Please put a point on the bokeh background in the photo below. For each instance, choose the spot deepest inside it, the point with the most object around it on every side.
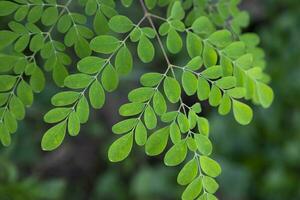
(260, 161)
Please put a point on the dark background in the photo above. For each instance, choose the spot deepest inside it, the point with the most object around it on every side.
(260, 161)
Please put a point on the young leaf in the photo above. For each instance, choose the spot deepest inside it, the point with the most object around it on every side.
(193, 189)
(176, 154)
(209, 166)
(189, 83)
(193, 44)
(54, 137)
(203, 89)
(140, 134)
(157, 142)
(172, 89)
(188, 173)
(124, 126)
(120, 149)
(174, 41)
(150, 118)
(242, 112)
(220, 38)
(73, 124)
(265, 94)
(203, 144)
(159, 103)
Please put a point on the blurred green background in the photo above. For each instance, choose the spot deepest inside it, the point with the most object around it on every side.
(260, 161)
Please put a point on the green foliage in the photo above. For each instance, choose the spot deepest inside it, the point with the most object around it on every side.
(225, 68)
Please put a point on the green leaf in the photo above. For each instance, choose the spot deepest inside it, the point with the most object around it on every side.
(151, 79)
(7, 7)
(10, 122)
(22, 43)
(131, 109)
(176, 154)
(16, 106)
(56, 115)
(64, 23)
(7, 82)
(123, 61)
(209, 166)
(96, 95)
(64, 98)
(150, 118)
(104, 44)
(127, 3)
(203, 26)
(203, 144)
(159, 103)
(189, 83)
(83, 110)
(90, 65)
(124, 126)
(150, 4)
(265, 94)
(193, 44)
(157, 142)
(50, 16)
(6, 38)
(242, 112)
(188, 173)
(54, 137)
(145, 50)
(109, 79)
(174, 41)
(21, 13)
(37, 43)
(140, 134)
(140, 95)
(120, 24)
(100, 23)
(210, 56)
(193, 189)
(73, 124)
(220, 38)
(82, 48)
(203, 89)
(120, 149)
(177, 11)
(78, 81)
(37, 80)
(172, 89)
(25, 93)
(4, 135)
